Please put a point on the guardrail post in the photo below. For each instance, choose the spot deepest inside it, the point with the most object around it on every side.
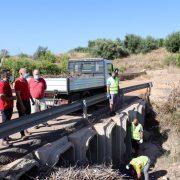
(85, 115)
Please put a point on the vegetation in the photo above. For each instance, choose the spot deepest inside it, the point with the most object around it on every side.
(172, 42)
(173, 60)
(48, 63)
(43, 59)
(107, 48)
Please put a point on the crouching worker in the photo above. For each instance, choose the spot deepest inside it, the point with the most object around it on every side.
(139, 166)
(136, 135)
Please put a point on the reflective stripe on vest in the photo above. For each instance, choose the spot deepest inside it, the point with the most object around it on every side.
(140, 161)
(135, 131)
(114, 86)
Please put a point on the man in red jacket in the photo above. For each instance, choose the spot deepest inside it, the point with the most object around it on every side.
(6, 101)
(23, 97)
(37, 87)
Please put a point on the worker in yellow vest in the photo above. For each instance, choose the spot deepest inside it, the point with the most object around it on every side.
(112, 91)
(136, 135)
(139, 165)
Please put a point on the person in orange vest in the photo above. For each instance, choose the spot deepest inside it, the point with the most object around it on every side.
(138, 166)
(113, 91)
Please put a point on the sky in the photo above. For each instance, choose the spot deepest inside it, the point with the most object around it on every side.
(62, 25)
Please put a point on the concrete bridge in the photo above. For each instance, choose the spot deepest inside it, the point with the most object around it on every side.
(107, 141)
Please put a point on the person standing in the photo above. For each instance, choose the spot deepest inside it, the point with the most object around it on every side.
(23, 97)
(136, 135)
(37, 87)
(139, 165)
(6, 101)
(113, 91)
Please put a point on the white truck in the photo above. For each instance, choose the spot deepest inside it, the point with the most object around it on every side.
(86, 77)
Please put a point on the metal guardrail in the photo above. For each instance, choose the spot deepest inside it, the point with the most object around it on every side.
(25, 122)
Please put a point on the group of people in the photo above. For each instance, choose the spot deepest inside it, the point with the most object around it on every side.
(138, 164)
(29, 96)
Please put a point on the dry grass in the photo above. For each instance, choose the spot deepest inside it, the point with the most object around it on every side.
(168, 115)
(152, 60)
(87, 173)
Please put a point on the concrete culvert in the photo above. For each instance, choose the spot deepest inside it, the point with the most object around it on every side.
(83, 140)
(91, 152)
(52, 153)
(67, 158)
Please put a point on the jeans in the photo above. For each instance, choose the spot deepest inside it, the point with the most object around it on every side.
(27, 105)
(6, 115)
(145, 170)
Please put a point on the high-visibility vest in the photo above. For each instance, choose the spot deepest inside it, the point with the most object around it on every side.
(113, 85)
(135, 131)
(140, 161)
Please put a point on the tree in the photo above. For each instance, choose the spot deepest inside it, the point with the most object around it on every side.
(3, 54)
(106, 48)
(41, 51)
(43, 54)
(148, 44)
(23, 55)
(132, 43)
(172, 42)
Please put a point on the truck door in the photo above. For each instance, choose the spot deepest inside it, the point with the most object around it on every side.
(108, 69)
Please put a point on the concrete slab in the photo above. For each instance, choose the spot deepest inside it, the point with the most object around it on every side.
(17, 168)
(121, 122)
(50, 153)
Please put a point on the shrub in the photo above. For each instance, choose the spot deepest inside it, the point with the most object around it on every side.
(63, 62)
(132, 43)
(45, 67)
(15, 64)
(148, 44)
(80, 49)
(43, 54)
(107, 49)
(172, 42)
(173, 60)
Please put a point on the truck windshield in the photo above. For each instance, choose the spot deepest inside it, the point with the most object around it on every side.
(99, 67)
(74, 67)
(88, 67)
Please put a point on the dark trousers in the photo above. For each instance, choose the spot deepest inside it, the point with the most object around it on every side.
(27, 105)
(6, 115)
(135, 146)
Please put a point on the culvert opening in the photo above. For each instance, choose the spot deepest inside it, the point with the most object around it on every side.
(114, 146)
(91, 152)
(67, 158)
